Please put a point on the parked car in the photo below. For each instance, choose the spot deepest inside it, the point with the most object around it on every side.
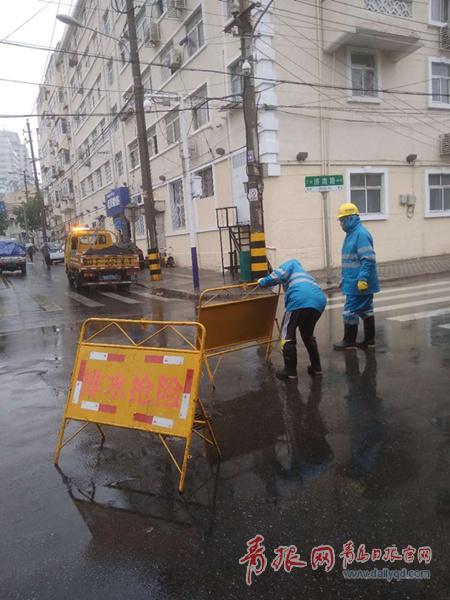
(56, 252)
(12, 256)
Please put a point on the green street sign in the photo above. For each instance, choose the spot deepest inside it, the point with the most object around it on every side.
(324, 183)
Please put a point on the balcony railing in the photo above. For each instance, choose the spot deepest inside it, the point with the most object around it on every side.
(396, 8)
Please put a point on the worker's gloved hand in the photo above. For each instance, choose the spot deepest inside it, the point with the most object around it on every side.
(363, 286)
(260, 280)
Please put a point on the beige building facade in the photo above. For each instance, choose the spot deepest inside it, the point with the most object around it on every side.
(357, 88)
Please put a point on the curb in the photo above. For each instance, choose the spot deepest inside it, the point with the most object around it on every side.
(328, 289)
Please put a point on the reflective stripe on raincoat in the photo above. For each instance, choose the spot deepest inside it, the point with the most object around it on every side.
(300, 288)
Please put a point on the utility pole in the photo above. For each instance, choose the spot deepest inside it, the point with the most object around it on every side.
(26, 204)
(147, 187)
(187, 184)
(242, 19)
(38, 189)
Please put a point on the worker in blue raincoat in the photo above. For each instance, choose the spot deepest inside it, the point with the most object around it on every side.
(359, 279)
(304, 304)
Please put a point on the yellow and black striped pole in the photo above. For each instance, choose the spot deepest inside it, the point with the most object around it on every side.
(258, 258)
(154, 264)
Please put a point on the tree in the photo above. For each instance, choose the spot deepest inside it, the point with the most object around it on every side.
(33, 211)
(4, 222)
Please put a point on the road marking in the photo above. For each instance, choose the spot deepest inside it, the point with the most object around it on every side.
(45, 303)
(420, 315)
(154, 296)
(446, 326)
(83, 300)
(399, 289)
(119, 297)
(440, 300)
(395, 296)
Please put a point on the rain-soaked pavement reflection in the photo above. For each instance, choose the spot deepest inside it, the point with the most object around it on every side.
(362, 454)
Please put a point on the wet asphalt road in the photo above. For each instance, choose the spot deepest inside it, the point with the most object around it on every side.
(363, 455)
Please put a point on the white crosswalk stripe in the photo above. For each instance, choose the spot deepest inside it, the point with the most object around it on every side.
(378, 299)
(391, 307)
(420, 315)
(83, 300)
(155, 296)
(446, 326)
(120, 298)
(404, 288)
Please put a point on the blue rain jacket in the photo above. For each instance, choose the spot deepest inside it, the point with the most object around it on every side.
(300, 288)
(358, 258)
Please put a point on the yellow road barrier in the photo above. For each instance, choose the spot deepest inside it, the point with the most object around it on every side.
(139, 383)
(236, 317)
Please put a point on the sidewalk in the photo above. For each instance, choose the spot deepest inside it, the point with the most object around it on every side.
(177, 282)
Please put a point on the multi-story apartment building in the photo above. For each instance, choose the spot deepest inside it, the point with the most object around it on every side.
(353, 87)
(55, 147)
(14, 162)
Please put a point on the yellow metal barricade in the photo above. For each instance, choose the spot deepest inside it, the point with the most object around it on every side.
(237, 317)
(138, 383)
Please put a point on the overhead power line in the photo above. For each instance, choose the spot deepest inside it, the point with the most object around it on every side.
(222, 72)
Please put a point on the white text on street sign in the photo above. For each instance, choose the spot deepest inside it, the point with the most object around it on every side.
(324, 183)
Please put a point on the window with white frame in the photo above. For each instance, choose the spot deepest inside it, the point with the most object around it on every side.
(159, 8)
(177, 204)
(133, 153)
(98, 179)
(439, 194)
(227, 8)
(172, 127)
(236, 80)
(440, 83)
(142, 26)
(439, 11)
(90, 184)
(152, 140)
(206, 176)
(83, 188)
(367, 191)
(165, 59)
(200, 110)
(124, 47)
(195, 37)
(105, 22)
(118, 163)
(140, 226)
(363, 67)
(108, 174)
(114, 119)
(110, 72)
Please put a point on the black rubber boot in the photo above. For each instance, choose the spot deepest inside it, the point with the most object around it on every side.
(289, 373)
(349, 341)
(314, 357)
(369, 333)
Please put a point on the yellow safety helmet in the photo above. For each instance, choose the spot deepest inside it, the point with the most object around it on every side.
(347, 209)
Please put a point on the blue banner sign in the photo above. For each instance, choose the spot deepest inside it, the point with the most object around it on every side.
(116, 200)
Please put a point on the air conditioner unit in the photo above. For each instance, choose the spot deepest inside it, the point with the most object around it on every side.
(444, 38)
(73, 60)
(153, 34)
(444, 143)
(174, 7)
(125, 113)
(193, 149)
(175, 59)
